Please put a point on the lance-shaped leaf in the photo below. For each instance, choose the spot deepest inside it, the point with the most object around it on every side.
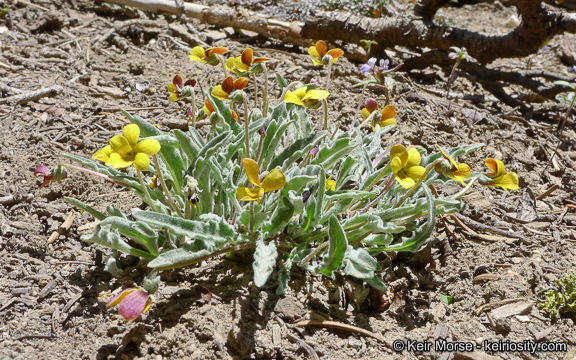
(208, 151)
(89, 209)
(139, 232)
(298, 149)
(104, 235)
(264, 262)
(332, 153)
(223, 112)
(274, 133)
(336, 248)
(423, 233)
(210, 228)
(188, 145)
(360, 264)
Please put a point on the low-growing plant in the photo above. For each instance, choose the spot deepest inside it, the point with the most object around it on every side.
(561, 299)
(275, 182)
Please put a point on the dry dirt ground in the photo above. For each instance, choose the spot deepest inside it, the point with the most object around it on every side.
(53, 296)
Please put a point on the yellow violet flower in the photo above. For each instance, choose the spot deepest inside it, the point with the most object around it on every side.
(228, 86)
(207, 56)
(125, 150)
(275, 180)
(456, 171)
(386, 115)
(246, 62)
(304, 97)
(405, 165)
(176, 88)
(318, 51)
(499, 177)
(330, 184)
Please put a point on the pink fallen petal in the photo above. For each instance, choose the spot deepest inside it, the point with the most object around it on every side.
(117, 298)
(133, 305)
(42, 170)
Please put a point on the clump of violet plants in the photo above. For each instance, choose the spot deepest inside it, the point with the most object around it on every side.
(270, 180)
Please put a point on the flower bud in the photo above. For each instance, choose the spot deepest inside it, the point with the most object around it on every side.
(371, 104)
(313, 151)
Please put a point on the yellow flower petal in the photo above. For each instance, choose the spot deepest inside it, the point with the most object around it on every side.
(141, 161)
(252, 171)
(388, 112)
(316, 95)
(405, 182)
(147, 146)
(247, 194)
(330, 184)
(507, 182)
(314, 53)
(120, 144)
(174, 97)
(413, 158)
(275, 180)
(291, 98)
(103, 154)
(117, 161)
(387, 122)
(400, 152)
(131, 132)
(414, 172)
(396, 164)
(219, 93)
(197, 53)
(172, 88)
(365, 113)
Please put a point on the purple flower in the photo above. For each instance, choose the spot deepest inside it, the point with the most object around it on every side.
(369, 66)
(50, 175)
(573, 68)
(384, 64)
(313, 151)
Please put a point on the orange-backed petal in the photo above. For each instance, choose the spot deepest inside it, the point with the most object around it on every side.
(387, 122)
(414, 172)
(217, 92)
(463, 170)
(228, 85)
(291, 98)
(247, 56)
(177, 81)
(275, 180)
(314, 53)
(252, 171)
(261, 59)
(388, 112)
(414, 158)
(335, 53)
(208, 107)
(316, 95)
(148, 146)
(321, 48)
(119, 297)
(120, 144)
(240, 83)
(118, 161)
(141, 161)
(365, 113)
(496, 166)
(247, 194)
(197, 53)
(131, 132)
(220, 50)
(452, 162)
(400, 152)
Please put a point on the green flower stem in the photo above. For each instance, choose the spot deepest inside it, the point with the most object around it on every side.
(369, 118)
(259, 151)
(458, 195)
(375, 181)
(321, 247)
(246, 123)
(265, 91)
(251, 224)
(187, 210)
(193, 108)
(165, 188)
(145, 189)
(422, 178)
(303, 163)
(325, 108)
(255, 91)
(92, 172)
(329, 76)
(221, 59)
(380, 196)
